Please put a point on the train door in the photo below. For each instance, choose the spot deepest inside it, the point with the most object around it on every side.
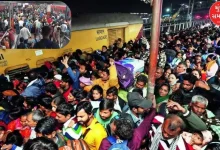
(114, 34)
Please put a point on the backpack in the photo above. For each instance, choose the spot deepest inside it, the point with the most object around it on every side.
(125, 76)
(117, 146)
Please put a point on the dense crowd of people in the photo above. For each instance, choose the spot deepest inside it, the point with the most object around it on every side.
(28, 22)
(84, 101)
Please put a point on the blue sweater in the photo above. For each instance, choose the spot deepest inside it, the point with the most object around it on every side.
(75, 77)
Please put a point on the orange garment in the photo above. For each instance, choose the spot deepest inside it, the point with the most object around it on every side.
(87, 88)
(67, 92)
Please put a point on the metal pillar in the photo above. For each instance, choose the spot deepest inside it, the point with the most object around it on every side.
(168, 30)
(10, 15)
(155, 35)
(191, 14)
(188, 10)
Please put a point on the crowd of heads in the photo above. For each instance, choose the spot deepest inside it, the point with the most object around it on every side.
(79, 97)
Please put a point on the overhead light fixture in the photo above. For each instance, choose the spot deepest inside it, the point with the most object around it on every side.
(146, 1)
(168, 10)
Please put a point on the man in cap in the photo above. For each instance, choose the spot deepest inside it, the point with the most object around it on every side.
(138, 106)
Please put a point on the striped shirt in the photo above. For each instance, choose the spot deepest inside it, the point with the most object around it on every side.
(77, 130)
(165, 144)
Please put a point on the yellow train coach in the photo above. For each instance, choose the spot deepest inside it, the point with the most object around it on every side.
(89, 32)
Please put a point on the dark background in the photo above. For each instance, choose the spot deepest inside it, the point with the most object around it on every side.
(124, 6)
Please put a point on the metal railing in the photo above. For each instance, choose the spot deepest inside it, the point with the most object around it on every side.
(65, 40)
(175, 27)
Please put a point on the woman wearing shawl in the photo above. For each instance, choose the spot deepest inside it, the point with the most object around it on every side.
(162, 98)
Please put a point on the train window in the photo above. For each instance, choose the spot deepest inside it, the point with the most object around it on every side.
(161, 29)
(34, 25)
(177, 27)
(41, 62)
(165, 29)
(180, 27)
(13, 70)
(172, 28)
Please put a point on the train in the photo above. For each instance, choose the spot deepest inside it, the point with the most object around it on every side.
(4, 5)
(89, 32)
(59, 7)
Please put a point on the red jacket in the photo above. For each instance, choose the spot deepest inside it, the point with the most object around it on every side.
(16, 125)
(67, 92)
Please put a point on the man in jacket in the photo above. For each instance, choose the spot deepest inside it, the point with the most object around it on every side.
(199, 106)
(46, 127)
(138, 134)
(141, 84)
(75, 73)
(166, 133)
(51, 90)
(34, 88)
(188, 88)
(137, 107)
(108, 78)
(112, 94)
(93, 131)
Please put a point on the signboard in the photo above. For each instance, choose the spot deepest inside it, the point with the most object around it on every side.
(38, 52)
(214, 13)
(101, 35)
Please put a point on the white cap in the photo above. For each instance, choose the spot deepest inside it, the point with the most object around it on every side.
(58, 77)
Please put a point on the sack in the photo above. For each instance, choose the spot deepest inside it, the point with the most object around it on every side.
(117, 146)
(125, 76)
(78, 144)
